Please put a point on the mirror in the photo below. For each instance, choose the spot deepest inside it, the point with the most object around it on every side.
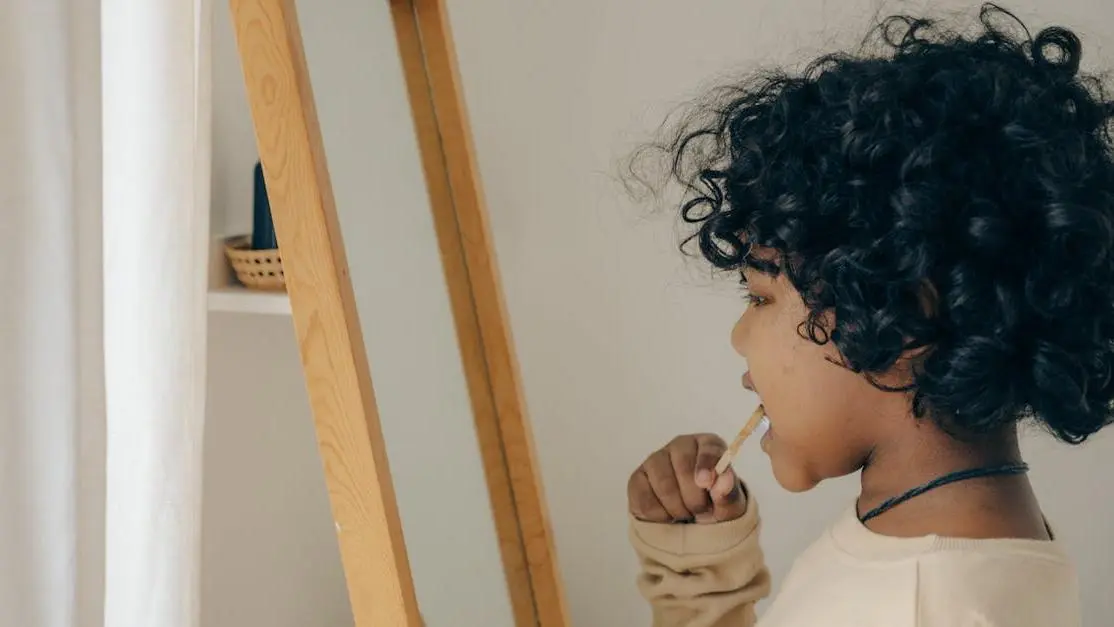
(405, 312)
(378, 210)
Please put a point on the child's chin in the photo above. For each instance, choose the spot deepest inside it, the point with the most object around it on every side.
(792, 478)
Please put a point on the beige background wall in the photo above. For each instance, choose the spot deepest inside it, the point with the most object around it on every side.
(623, 343)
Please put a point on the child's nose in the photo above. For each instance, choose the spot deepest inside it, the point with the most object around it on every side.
(738, 337)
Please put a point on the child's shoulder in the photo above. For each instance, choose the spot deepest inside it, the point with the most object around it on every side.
(1003, 582)
(852, 575)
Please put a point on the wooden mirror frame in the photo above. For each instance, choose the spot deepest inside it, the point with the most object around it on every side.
(331, 345)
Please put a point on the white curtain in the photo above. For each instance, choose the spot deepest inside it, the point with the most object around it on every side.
(104, 184)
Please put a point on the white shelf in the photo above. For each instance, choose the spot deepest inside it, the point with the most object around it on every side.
(239, 299)
(226, 294)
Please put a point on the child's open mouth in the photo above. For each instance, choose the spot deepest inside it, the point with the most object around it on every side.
(763, 430)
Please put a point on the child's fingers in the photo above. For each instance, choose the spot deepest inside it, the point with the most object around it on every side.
(709, 449)
(682, 453)
(642, 500)
(663, 480)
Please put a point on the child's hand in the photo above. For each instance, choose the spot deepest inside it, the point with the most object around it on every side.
(678, 484)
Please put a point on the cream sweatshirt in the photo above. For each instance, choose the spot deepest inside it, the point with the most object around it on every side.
(712, 576)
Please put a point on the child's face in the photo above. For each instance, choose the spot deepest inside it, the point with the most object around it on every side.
(824, 418)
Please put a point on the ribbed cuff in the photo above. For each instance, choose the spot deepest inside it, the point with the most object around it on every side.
(697, 539)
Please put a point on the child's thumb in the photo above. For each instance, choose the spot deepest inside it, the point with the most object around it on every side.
(728, 498)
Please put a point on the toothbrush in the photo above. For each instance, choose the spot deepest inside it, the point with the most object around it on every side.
(756, 418)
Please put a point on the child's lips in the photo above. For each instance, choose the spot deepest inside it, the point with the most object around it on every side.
(748, 382)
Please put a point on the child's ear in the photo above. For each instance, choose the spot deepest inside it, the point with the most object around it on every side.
(929, 298)
(904, 370)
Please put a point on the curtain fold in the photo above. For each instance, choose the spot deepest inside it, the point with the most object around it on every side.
(51, 374)
(104, 183)
(156, 231)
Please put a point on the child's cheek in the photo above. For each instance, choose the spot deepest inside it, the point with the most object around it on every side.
(793, 390)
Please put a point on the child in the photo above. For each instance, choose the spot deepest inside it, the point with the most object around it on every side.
(926, 238)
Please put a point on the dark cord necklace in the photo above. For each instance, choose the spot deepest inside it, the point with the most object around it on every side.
(951, 477)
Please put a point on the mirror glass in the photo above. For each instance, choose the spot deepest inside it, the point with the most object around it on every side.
(271, 551)
(404, 311)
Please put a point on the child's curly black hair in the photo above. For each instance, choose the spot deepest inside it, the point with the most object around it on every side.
(936, 191)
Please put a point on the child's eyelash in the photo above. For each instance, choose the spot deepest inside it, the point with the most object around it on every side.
(754, 300)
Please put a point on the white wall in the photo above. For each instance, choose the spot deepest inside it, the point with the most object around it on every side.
(270, 555)
(623, 344)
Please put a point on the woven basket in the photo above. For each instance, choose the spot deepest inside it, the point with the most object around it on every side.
(256, 269)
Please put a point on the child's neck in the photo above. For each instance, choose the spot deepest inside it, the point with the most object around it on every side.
(990, 507)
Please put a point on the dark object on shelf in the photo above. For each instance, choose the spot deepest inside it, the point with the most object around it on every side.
(263, 227)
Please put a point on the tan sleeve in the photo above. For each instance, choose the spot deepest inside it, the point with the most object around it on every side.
(702, 575)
